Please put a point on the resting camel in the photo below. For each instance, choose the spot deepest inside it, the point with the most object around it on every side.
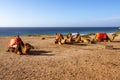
(59, 39)
(71, 39)
(21, 48)
(78, 39)
(99, 37)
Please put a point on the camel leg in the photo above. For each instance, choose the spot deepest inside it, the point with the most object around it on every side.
(19, 49)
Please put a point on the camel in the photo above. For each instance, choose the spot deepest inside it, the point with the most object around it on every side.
(21, 48)
(60, 39)
(100, 37)
(78, 39)
(70, 38)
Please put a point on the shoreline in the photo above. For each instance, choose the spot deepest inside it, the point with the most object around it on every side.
(52, 31)
(29, 35)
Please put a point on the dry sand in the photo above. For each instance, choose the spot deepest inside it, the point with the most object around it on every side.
(49, 61)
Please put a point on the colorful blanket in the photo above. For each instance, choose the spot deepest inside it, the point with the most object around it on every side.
(101, 36)
(12, 42)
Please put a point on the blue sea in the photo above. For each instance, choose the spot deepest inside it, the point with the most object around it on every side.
(12, 31)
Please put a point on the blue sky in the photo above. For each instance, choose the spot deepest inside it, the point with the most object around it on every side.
(59, 13)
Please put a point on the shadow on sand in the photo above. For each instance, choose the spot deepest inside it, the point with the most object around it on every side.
(115, 41)
(41, 53)
(79, 44)
(116, 48)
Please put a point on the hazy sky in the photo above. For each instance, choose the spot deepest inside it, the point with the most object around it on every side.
(62, 13)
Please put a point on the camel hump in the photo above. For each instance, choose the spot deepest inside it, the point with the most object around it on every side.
(29, 45)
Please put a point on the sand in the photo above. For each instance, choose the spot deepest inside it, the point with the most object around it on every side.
(49, 61)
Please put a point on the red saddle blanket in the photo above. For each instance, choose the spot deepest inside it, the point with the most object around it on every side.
(101, 36)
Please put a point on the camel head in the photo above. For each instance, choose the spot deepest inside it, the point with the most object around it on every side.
(113, 36)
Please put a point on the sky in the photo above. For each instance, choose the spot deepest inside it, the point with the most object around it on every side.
(59, 13)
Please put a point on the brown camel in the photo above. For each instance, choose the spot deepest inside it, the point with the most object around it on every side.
(21, 48)
(99, 37)
(78, 39)
(59, 39)
(70, 38)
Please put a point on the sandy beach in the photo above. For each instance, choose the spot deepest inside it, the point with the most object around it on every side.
(49, 61)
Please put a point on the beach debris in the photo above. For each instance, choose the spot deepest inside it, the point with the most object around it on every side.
(43, 38)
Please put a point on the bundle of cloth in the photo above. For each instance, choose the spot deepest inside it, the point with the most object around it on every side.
(75, 35)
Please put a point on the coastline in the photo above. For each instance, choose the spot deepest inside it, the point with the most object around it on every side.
(53, 30)
(35, 35)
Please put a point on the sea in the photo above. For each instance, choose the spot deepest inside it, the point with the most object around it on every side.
(12, 31)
